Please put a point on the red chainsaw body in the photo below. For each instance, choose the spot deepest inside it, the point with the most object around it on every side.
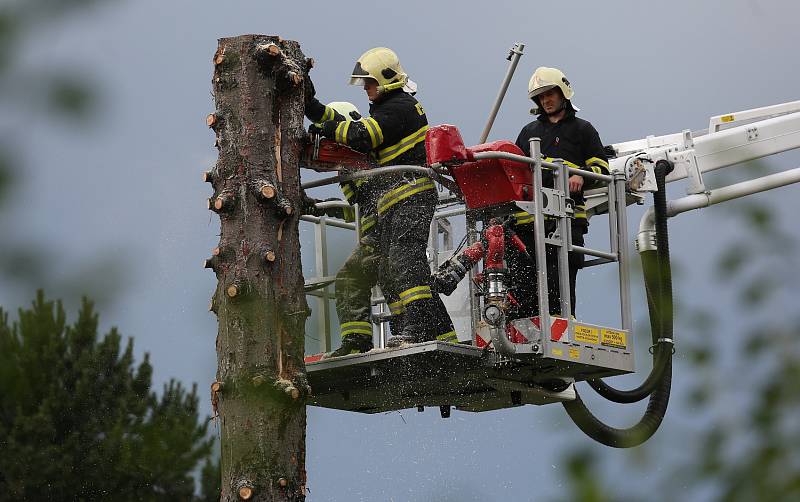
(323, 154)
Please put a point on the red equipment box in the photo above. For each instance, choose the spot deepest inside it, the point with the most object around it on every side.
(484, 183)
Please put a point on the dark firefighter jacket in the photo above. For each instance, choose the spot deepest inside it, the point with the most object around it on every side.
(393, 134)
(575, 141)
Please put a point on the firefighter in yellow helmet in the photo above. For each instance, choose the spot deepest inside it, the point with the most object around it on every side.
(576, 141)
(393, 134)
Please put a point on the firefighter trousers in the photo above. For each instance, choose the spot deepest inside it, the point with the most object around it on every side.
(403, 232)
(522, 271)
(354, 283)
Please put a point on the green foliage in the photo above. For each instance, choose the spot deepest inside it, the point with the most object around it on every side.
(78, 420)
(211, 480)
(70, 95)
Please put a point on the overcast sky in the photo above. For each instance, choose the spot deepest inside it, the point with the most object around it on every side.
(130, 186)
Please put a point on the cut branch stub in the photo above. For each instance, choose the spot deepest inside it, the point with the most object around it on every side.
(224, 202)
(221, 252)
(267, 190)
(285, 207)
(269, 255)
(244, 489)
(268, 49)
(208, 176)
(235, 289)
(216, 388)
(211, 119)
(288, 387)
(219, 56)
(211, 263)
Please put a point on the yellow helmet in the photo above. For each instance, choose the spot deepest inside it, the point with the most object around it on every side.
(545, 78)
(382, 65)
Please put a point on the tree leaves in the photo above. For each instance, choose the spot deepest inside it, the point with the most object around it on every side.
(78, 413)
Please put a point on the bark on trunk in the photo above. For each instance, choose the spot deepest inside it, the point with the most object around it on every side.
(261, 386)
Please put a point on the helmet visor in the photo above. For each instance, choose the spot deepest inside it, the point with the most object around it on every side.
(540, 90)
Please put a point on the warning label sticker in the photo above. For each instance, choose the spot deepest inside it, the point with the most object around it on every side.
(574, 353)
(557, 352)
(587, 334)
(614, 338)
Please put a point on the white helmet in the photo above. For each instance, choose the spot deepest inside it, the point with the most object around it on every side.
(382, 65)
(544, 79)
(344, 108)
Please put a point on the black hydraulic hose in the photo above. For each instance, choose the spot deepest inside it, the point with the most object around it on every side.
(632, 436)
(655, 282)
(659, 283)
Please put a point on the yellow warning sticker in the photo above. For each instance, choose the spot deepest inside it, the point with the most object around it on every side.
(587, 334)
(614, 338)
(574, 353)
(726, 118)
(557, 352)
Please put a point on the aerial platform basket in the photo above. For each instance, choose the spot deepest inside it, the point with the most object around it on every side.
(468, 377)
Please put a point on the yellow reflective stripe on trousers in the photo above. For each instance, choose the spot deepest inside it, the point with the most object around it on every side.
(368, 222)
(374, 130)
(523, 217)
(416, 293)
(348, 192)
(402, 146)
(397, 307)
(355, 328)
(597, 161)
(340, 136)
(403, 192)
(450, 336)
(580, 211)
(349, 214)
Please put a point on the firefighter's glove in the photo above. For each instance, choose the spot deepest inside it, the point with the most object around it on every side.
(450, 273)
(314, 129)
(355, 115)
(328, 128)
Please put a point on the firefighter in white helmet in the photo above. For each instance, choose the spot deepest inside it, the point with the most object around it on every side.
(393, 134)
(563, 136)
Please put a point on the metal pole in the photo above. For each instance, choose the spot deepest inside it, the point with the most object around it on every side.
(513, 56)
(324, 319)
(697, 201)
(565, 235)
(539, 244)
(623, 262)
(474, 301)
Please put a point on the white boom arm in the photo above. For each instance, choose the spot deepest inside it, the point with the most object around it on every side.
(730, 139)
(760, 132)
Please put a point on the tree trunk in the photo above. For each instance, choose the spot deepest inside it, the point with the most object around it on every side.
(261, 387)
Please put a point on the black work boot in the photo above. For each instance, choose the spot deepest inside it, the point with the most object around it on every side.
(352, 344)
(406, 336)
